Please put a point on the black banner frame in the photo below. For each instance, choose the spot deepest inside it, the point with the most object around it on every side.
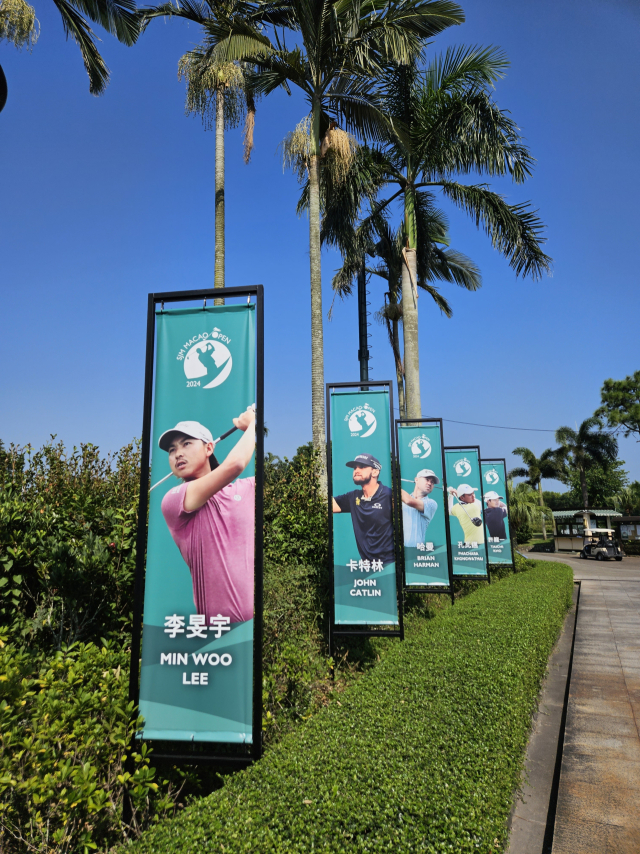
(506, 498)
(231, 760)
(414, 588)
(486, 551)
(363, 385)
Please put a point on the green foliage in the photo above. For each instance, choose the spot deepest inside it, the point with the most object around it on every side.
(603, 483)
(65, 726)
(67, 549)
(424, 752)
(621, 404)
(295, 512)
(559, 500)
(627, 500)
(524, 510)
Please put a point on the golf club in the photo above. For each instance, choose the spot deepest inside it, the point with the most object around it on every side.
(215, 442)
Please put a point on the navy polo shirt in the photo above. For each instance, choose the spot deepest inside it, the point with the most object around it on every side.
(494, 517)
(372, 522)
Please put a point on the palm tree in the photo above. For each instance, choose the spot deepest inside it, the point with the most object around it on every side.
(217, 91)
(587, 446)
(627, 501)
(18, 24)
(434, 264)
(524, 509)
(341, 47)
(548, 465)
(442, 123)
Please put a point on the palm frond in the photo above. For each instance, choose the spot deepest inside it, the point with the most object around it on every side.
(79, 30)
(118, 17)
(514, 230)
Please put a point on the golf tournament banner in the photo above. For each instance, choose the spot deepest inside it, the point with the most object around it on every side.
(423, 505)
(466, 525)
(196, 681)
(496, 512)
(364, 568)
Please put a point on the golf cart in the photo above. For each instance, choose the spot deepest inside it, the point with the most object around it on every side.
(599, 543)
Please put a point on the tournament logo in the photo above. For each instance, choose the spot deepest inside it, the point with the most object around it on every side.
(420, 446)
(462, 467)
(206, 359)
(361, 421)
(492, 477)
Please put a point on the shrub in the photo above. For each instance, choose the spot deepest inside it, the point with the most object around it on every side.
(424, 752)
(65, 728)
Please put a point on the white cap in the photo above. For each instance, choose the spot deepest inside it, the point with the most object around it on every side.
(428, 473)
(189, 428)
(490, 496)
(465, 489)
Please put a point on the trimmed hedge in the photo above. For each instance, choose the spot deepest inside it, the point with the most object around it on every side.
(423, 753)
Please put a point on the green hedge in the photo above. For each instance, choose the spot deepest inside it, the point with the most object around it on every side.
(423, 753)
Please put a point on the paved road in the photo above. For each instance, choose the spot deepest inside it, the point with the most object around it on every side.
(598, 809)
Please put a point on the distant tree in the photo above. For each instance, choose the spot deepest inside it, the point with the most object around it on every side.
(621, 404)
(559, 500)
(586, 447)
(627, 500)
(548, 466)
(19, 25)
(604, 482)
(524, 510)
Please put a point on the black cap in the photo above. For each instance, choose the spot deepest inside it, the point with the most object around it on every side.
(364, 460)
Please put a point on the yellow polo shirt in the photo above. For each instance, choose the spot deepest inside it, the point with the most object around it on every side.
(464, 513)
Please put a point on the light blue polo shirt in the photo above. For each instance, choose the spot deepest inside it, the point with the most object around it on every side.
(415, 523)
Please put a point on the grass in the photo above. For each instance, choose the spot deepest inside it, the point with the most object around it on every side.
(424, 752)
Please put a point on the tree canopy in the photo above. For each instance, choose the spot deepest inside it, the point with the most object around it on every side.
(621, 404)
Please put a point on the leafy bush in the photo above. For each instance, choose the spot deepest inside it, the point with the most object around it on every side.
(295, 512)
(67, 548)
(424, 752)
(65, 728)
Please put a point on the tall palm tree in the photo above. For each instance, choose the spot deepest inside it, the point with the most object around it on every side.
(587, 446)
(18, 24)
(340, 48)
(216, 88)
(547, 465)
(378, 241)
(442, 123)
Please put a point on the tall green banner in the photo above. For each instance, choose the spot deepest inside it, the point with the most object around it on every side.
(496, 512)
(196, 681)
(464, 497)
(364, 567)
(424, 528)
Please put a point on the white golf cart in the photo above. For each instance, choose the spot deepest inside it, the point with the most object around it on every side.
(600, 544)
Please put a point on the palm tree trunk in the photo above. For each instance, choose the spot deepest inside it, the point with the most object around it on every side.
(410, 311)
(317, 346)
(583, 486)
(219, 205)
(544, 524)
(402, 403)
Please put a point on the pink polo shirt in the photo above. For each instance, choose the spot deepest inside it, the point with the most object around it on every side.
(217, 544)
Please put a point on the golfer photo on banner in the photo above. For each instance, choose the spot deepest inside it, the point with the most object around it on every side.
(466, 520)
(196, 680)
(424, 529)
(365, 590)
(496, 512)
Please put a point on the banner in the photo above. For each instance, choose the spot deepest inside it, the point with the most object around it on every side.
(196, 681)
(496, 512)
(466, 525)
(364, 568)
(423, 505)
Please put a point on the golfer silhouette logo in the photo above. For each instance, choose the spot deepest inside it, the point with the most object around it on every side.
(362, 423)
(209, 359)
(462, 467)
(420, 447)
(492, 477)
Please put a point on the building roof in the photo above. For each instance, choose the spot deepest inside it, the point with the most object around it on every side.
(568, 514)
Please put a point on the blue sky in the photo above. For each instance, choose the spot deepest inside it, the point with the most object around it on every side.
(105, 199)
